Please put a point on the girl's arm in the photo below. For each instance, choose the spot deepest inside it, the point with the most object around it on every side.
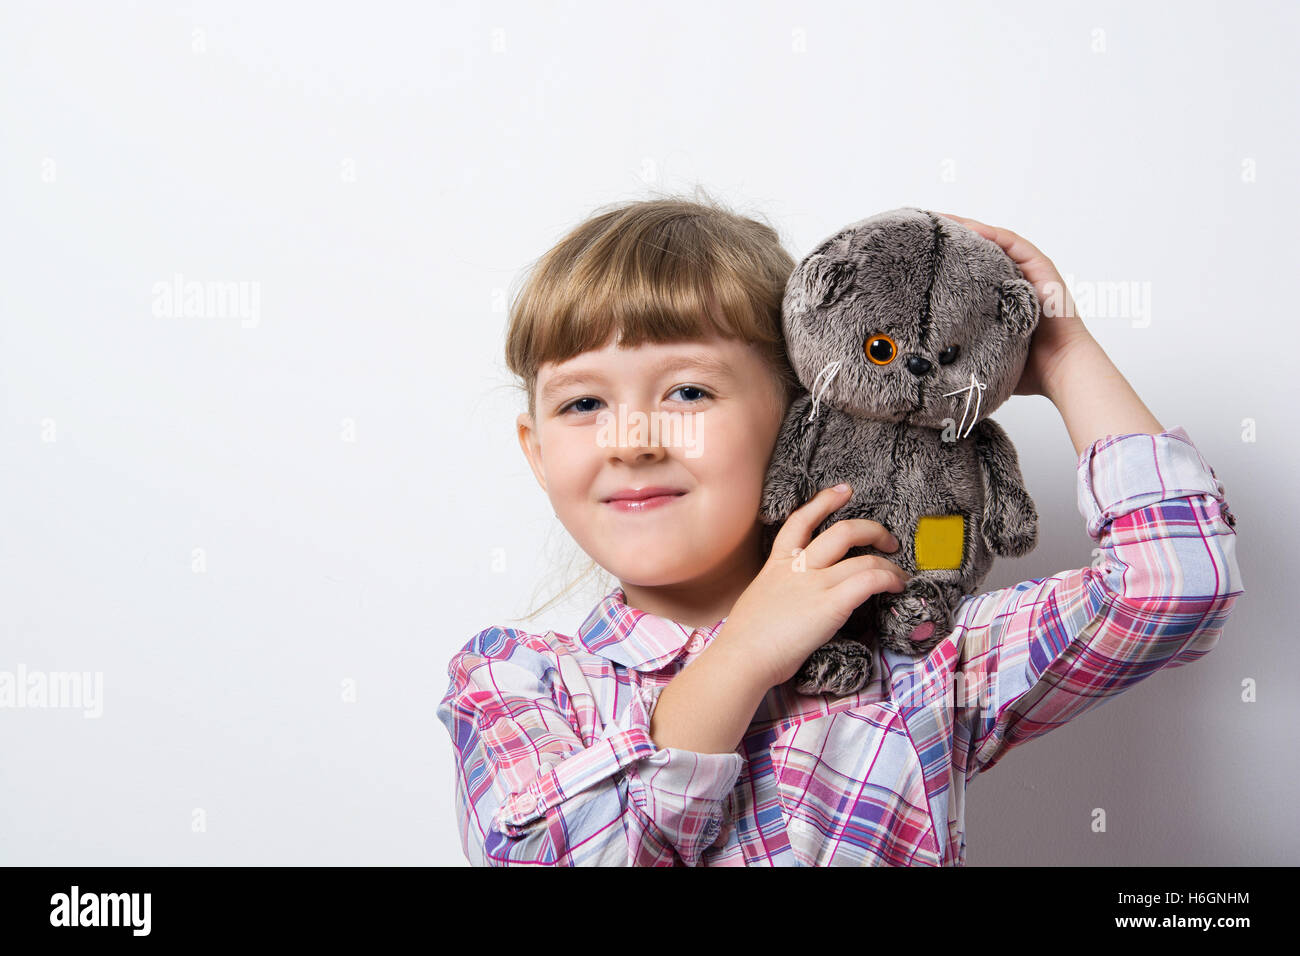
(1157, 594)
(1094, 399)
(1165, 577)
(867, 785)
(542, 780)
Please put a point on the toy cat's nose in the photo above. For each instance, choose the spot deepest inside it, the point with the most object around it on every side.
(917, 365)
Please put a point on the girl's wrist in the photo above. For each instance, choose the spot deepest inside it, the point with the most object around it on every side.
(1094, 398)
(1073, 366)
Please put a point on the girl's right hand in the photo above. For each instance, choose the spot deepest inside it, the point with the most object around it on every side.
(805, 593)
(1061, 333)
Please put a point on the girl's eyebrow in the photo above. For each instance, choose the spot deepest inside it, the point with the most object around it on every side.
(701, 362)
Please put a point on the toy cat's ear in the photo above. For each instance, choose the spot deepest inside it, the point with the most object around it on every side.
(822, 281)
(1018, 306)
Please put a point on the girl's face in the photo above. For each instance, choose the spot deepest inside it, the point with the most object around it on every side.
(699, 419)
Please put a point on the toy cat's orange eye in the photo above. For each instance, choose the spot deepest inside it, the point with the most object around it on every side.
(881, 349)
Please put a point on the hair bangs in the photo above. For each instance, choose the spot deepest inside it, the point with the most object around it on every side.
(659, 271)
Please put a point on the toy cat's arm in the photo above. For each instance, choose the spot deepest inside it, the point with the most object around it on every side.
(788, 485)
(1010, 524)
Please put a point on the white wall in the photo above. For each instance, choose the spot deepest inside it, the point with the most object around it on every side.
(380, 175)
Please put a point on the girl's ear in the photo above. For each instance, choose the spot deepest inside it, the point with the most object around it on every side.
(1018, 306)
(531, 446)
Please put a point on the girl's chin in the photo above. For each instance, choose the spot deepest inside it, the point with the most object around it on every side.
(649, 571)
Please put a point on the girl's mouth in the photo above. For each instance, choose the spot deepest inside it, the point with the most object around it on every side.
(643, 504)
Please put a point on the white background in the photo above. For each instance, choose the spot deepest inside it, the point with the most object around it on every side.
(384, 174)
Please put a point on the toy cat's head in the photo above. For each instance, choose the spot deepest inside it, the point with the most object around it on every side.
(909, 317)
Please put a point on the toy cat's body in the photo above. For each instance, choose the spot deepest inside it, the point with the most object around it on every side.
(907, 330)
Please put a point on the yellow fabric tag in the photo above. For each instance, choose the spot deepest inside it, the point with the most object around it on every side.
(939, 541)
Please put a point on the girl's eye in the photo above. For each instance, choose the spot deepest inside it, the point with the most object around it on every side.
(576, 402)
(949, 355)
(574, 405)
(692, 388)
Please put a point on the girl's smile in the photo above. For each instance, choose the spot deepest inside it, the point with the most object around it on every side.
(672, 511)
(637, 502)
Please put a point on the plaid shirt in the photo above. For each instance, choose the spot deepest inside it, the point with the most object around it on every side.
(555, 764)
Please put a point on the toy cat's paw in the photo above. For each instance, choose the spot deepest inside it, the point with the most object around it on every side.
(780, 498)
(838, 667)
(916, 619)
(1011, 527)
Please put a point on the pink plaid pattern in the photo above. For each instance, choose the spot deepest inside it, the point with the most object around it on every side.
(555, 764)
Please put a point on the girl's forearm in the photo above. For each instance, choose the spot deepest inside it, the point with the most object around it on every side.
(1094, 399)
(707, 707)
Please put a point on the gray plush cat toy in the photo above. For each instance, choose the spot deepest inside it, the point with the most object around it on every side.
(906, 329)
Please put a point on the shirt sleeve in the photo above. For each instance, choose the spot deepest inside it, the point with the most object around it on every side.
(538, 784)
(1162, 583)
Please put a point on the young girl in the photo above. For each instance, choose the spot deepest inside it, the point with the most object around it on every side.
(664, 731)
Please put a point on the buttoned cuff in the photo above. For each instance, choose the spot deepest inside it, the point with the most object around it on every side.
(620, 744)
(1118, 474)
(685, 793)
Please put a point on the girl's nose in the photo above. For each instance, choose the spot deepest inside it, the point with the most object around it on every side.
(637, 452)
(917, 365)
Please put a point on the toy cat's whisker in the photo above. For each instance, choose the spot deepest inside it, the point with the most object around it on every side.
(975, 387)
(829, 371)
(964, 410)
(979, 397)
(967, 390)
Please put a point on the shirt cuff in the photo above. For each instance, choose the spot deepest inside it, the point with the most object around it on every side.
(1118, 474)
(684, 792)
(619, 745)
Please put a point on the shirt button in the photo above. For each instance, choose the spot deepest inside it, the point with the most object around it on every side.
(695, 644)
(527, 802)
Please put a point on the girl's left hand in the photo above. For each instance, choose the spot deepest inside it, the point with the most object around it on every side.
(1060, 329)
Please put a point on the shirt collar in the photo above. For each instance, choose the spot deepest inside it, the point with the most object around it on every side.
(635, 638)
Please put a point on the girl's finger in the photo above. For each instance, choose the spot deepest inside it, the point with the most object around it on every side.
(833, 543)
(1037, 268)
(964, 220)
(1020, 250)
(983, 229)
(798, 528)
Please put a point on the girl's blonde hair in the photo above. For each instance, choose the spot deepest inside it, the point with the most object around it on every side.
(662, 270)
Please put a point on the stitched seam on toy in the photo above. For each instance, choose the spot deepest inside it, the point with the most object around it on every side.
(934, 271)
